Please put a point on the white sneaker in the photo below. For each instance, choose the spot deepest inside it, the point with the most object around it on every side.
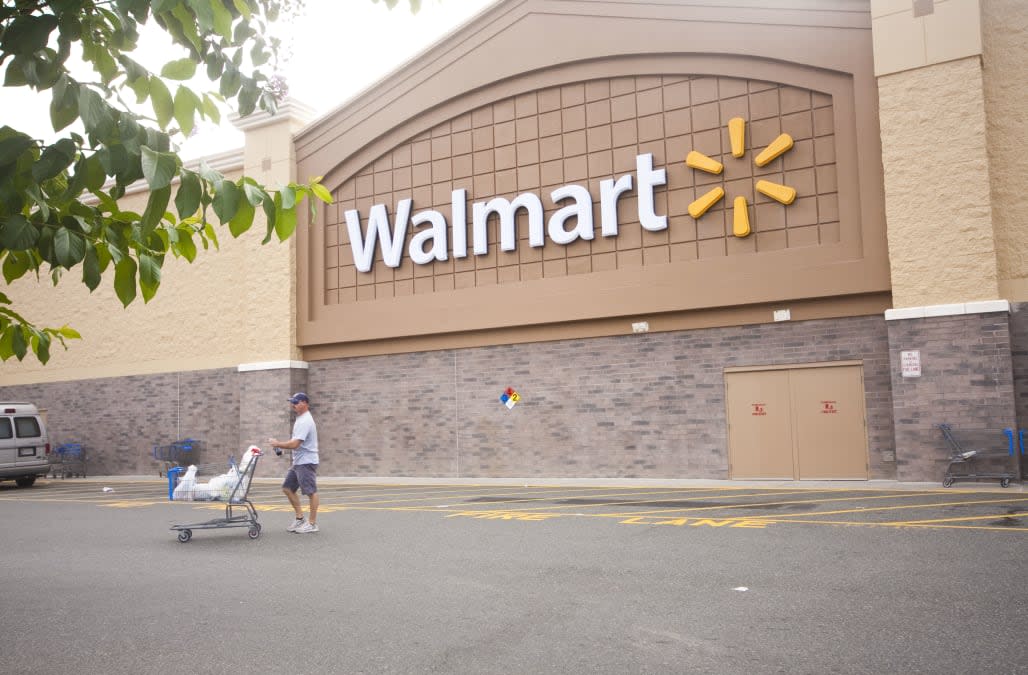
(307, 527)
(296, 525)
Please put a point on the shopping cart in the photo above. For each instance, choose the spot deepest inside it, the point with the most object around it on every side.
(965, 458)
(231, 487)
(68, 459)
(179, 453)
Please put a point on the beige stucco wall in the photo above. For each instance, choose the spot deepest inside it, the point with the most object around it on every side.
(937, 192)
(1005, 68)
(952, 98)
(231, 306)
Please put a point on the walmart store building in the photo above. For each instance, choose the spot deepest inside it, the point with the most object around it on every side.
(777, 239)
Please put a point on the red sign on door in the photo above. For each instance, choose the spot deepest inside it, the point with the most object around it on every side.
(758, 409)
(828, 408)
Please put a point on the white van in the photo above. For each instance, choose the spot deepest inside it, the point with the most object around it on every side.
(24, 446)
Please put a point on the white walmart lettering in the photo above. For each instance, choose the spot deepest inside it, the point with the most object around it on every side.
(429, 243)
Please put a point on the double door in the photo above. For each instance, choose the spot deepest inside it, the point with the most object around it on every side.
(797, 423)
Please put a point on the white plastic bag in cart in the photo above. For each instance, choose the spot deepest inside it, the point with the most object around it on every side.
(202, 492)
(184, 489)
(247, 457)
(221, 486)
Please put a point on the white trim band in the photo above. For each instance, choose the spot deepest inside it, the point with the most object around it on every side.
(980, 307)
(273, 365)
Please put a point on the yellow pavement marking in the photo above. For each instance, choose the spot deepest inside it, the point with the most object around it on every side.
(641, 501)
(521, 500)
(893, 508)
(927, 525)
(756, 504)
(953, 520)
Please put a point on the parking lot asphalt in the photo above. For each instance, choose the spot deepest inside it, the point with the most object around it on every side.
(519, 577)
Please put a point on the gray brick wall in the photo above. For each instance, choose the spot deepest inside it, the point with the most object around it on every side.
(628, 406)
(120, 419)
(967, 381)
(1019, 356)
(648, 405)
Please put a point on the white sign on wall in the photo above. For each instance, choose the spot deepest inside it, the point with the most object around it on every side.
(910, 363)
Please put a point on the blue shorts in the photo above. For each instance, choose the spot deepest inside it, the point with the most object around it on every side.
(303, 477)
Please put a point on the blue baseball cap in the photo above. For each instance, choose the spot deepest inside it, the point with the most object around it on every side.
(299, 396)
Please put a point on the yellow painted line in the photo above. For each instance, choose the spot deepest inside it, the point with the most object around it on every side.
(744, 521)
(757, 504)
(777, 517)
(929, 526)
(641, 501)
(963, 518)
(526, 499)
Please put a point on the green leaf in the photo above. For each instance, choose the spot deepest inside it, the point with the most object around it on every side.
(321, 192)
(222, 19)
(64, 106)
(160, 97)
(158, 167)
(41, 346)
(254, 194)
(6, 339)
(96, 115)
(210, 234)
(91, 269)
(95, 174)
(186, 105)
(248, 95)
(55, 159)
(69, 247)
(187, 201)
(16, 264)
(269, 216)
(18, 344)
(149, 275)
(208, 174)
(12, 147)
(243, 8)
(226, 200)
(156, 205)
(288, 199)
(243, 219)
(210, 109)
(125, 280)
(179, 69)
(68, 332)
(204, 13)
(185, 245)
(27, 34)
(18, 234)
(285, 221)
(230, 81)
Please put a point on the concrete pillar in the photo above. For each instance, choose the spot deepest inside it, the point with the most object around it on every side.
(265, 387)
(942, 238)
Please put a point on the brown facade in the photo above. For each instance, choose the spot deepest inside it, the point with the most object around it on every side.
(545, 120)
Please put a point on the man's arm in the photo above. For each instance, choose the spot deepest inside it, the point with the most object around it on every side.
(291, 444)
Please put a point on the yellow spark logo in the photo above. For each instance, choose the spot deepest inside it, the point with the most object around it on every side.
(740, 217)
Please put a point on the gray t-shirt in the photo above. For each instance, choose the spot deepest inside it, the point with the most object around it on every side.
(306, 431)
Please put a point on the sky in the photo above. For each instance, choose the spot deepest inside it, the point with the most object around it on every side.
(338, 49)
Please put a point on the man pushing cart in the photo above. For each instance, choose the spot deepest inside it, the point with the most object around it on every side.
(231, 487)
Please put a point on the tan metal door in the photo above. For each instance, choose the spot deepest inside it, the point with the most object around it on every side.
(828, 404)
(760, 443)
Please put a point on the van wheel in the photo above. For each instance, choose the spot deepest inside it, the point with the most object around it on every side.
(26, 481)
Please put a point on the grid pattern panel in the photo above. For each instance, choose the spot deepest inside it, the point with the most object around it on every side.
(583, 133)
